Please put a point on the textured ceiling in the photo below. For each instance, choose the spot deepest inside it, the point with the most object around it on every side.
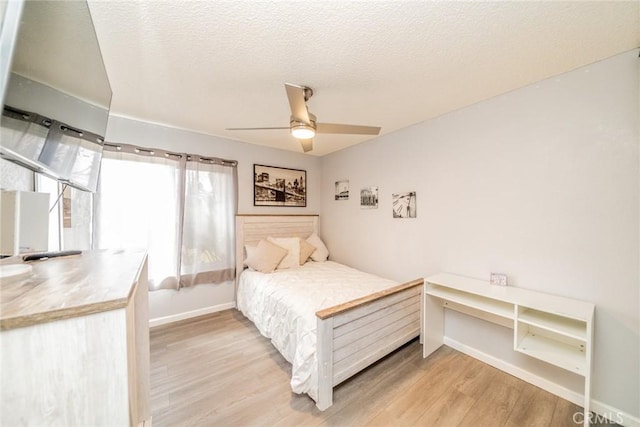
(207, 66)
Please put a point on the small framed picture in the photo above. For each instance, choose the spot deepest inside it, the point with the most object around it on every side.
(369, 198)
(404, 205)
(274, 186)
(342, 190)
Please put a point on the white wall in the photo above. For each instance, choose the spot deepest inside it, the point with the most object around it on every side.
(29, 95)
(541, 183)
(169, 304)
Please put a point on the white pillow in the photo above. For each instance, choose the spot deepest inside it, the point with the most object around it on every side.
(292, 245)
(249, 251)
(321, 253)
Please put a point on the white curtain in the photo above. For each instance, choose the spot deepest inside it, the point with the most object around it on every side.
(182, 211)
(138, 206)
(208, 226)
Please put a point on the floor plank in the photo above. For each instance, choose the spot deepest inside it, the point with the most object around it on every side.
(535, 408)
(564, 412)
(494, 406)
(217, 370)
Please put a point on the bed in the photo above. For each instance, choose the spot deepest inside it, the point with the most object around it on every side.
(328, 320)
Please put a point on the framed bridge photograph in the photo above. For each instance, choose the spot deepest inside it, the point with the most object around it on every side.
(274, 186)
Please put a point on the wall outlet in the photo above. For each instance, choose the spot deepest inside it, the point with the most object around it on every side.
(499, 279)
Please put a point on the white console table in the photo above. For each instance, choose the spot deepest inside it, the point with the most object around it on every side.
(554, 329)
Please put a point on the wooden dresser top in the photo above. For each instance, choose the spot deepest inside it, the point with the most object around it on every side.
(71, 286)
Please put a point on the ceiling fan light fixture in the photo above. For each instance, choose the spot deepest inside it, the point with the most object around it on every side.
(302, 131)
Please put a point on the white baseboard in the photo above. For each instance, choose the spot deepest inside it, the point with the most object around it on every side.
(610, 412)
(189, 314)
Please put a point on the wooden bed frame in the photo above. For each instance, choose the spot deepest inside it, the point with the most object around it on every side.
(350, 336)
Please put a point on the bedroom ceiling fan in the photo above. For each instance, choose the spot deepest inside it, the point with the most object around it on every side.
(303, 125)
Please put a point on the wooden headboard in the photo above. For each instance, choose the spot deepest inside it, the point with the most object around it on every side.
(250, 229)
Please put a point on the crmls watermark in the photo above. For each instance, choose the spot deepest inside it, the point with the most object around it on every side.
(604, 418)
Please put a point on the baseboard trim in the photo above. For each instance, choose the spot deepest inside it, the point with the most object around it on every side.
(189, 314)
(603, 409)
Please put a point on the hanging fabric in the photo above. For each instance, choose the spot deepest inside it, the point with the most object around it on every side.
(210, 205)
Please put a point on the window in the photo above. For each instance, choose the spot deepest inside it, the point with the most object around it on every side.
(70, 214)
(182, 212)
(77, 219)
(44, 184)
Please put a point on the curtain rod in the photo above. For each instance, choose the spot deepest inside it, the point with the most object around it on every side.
(46, 122)
(156, 152)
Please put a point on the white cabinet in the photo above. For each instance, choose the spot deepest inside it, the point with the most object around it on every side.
(547, 327)
(74, 343)
(24, 219)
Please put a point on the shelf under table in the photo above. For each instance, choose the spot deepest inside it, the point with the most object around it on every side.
(554, 352)
(499, 308)
(559, 324)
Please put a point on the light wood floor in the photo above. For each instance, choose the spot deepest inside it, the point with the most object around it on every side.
(217, 370)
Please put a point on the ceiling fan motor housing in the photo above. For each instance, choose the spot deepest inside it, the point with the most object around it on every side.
(308, 93)
(302, 130)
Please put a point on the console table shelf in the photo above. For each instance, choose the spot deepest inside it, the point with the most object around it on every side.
(555, 352)
(475, 301)
(561, 325)
(554, 329)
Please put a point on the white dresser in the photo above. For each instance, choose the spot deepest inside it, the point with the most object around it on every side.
(74, 342)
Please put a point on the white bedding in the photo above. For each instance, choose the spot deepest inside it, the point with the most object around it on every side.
(283, 304)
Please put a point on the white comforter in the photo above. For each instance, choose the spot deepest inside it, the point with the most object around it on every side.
(283, 304)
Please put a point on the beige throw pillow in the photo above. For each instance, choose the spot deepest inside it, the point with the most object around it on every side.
(306, 249)
(265, 257)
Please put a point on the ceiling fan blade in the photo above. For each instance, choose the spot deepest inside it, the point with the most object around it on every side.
(297, 102)
(307, 144)
(257, 128)
(347, 129)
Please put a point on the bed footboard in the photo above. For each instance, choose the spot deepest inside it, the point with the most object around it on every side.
(353, 335)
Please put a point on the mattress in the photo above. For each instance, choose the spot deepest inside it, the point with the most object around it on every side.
(283, 304)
